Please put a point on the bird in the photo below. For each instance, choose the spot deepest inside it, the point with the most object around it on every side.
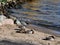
(49, 38)
(30, 31)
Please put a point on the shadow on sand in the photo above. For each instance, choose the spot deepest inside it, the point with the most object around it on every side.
(5, 42)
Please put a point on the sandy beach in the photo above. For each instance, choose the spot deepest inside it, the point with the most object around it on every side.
(46, 12)
(8, 36)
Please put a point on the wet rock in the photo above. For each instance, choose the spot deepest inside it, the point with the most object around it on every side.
(17, 22)
(23, 23)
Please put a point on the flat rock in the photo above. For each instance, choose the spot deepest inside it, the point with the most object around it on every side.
(2, 17)
(8, 21)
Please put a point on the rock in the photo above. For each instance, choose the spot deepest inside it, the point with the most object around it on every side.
(2, 18)
(17, 22)
(8, 21)
(12, 17)
(23, 23)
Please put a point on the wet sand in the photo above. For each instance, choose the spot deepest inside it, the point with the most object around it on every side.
(44, 30)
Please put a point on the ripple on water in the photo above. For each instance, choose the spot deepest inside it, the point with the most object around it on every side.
(47, 11)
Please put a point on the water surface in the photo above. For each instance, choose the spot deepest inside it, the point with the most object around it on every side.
(45, 12)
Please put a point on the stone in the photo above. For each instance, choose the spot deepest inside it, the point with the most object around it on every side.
(17, 22)
(8, 21)
(23, 23)
(2, 17)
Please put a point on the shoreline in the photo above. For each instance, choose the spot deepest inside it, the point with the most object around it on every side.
(9, 36)
(45, 30)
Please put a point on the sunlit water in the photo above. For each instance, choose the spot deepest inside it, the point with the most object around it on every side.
(48, 12)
